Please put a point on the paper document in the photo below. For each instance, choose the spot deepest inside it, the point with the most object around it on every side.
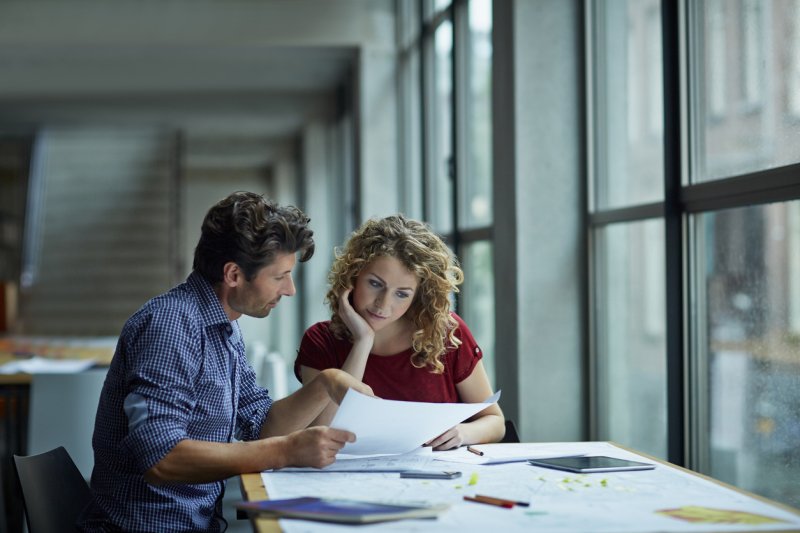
(418, 459)
(42, 365)
(500, 453)
(392, 426)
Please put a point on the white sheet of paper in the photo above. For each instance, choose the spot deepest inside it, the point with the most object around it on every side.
(502, 453)
(392, 426)
(42, 365)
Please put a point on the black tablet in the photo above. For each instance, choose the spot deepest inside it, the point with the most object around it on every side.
(591, 463)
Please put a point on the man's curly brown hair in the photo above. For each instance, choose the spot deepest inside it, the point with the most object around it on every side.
(424, 254)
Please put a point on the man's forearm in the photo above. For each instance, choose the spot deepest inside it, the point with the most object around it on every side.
(193, 461)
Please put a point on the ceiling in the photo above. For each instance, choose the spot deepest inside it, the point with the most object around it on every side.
(236, 90)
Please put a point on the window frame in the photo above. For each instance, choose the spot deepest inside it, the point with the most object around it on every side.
(687, 426)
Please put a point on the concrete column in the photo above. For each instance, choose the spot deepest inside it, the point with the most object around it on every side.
(539, 173)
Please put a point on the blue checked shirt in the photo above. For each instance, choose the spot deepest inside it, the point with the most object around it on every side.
(179, 372)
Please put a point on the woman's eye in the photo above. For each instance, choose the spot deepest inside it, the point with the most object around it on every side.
(374, 283)
(402, 295)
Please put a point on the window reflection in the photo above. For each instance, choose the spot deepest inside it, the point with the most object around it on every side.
(441, 184)
(752, 294)
(477, 188)
(628, 102)
(631, 349)
(745, 90)
(477, 307)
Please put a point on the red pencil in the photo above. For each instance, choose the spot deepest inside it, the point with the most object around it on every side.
(506, 504)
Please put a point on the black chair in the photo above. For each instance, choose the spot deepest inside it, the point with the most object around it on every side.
(53, 490)
(511, 432)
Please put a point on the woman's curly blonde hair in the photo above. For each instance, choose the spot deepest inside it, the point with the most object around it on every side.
(424, 254)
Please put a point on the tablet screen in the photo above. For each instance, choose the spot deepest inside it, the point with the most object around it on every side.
(597, 463)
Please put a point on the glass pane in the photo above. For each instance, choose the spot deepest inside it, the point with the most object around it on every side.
(631, 336)
(477, 189)
(440, 197)
(411, 135)
(431, 8)
(408, 24)
(628, 103)
(477, 299)
(751, 260)
(746, 89)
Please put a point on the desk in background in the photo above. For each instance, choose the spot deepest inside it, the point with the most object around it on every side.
(15, 397)
(668, 498)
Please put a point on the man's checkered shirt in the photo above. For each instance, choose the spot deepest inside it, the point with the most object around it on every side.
(179, 372)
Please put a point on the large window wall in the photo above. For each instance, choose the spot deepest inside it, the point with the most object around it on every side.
(695, 234)
(445, 87)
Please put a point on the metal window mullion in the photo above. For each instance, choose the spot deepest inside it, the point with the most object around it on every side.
(674, 241)
(460, 84)
(426, 90)
(764, 186)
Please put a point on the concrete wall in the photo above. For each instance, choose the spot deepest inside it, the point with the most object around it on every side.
(538, 204)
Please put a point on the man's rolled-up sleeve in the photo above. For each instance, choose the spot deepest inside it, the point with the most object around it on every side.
(254, 403)
(160, 384)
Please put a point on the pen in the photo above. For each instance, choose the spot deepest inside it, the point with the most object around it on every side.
(474, 450)
(521, 504)
(505, 504)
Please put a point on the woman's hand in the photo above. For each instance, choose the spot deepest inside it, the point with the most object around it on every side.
(452, 438)
(358, 327)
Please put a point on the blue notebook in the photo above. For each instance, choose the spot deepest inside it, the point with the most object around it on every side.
(339, 510)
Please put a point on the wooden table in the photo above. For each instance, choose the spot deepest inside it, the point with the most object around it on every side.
(253, 489)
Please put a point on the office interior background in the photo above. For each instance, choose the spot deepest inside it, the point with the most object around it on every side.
(618, 178)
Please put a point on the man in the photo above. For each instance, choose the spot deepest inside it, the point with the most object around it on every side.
(180, 388)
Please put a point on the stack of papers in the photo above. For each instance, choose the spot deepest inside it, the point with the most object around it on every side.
(419, 459)
(340, 510)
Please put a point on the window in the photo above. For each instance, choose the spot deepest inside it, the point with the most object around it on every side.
(695, 235)
(441, 163)
(411, 134)
(477, 302)
(716, 82)
(627, 103)
(748, 257)
(628, 246)
(631, 369)
(477, 190)
(793, 83)
(455, 48)
(757, 131)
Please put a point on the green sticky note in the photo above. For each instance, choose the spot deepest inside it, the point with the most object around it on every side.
(473, 479)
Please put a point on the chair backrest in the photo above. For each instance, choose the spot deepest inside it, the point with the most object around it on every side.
(53, 490)
(511, 432)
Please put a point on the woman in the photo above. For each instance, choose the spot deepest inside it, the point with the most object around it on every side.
(392, 327)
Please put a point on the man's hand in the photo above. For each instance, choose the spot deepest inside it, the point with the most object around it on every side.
(337, 382)
(316, 446)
